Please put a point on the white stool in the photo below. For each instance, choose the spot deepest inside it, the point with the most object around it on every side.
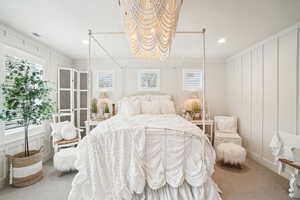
(231, 153)
(64, 160)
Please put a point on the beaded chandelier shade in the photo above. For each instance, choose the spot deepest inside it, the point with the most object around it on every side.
(150, 26)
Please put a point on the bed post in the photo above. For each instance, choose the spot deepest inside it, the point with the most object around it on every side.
(203, 80)
(89, 73)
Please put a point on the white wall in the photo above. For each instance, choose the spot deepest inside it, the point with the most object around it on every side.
(262, 89)
(171, 78)
(13, 143)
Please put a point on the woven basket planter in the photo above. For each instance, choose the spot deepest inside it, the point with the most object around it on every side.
(25, 171)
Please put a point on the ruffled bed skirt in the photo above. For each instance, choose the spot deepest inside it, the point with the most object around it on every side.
(209, 191)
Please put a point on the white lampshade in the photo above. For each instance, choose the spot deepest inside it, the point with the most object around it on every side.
(103, 98)
(191, 103)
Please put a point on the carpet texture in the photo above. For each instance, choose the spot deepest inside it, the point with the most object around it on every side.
(253, 182)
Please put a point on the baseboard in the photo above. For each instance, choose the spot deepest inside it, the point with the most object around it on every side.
(2, 183)
(268, 164)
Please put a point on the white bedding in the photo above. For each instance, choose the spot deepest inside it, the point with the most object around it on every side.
(126, 159)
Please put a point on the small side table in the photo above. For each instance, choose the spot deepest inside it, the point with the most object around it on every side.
(294, 191)
(90, 123)
(209, 123)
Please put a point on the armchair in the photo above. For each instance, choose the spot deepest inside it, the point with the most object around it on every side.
(226, 131)
(58, 142)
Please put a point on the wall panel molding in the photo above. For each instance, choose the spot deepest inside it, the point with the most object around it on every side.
(275, 36)
(273, 102)
(288, 82)
(298, 81)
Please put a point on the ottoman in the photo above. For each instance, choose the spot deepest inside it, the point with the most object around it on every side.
(231, 153)
(64, 160)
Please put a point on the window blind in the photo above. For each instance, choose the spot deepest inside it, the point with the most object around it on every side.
(192, 79)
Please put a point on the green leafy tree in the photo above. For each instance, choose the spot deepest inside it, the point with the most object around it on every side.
(26, 96)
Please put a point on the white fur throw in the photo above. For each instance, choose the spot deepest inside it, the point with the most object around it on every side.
(231, 153)
(64, 160)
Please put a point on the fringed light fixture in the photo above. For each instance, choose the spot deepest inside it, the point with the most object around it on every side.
(150, 26)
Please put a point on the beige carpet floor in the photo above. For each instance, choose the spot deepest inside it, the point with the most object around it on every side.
(253, 182)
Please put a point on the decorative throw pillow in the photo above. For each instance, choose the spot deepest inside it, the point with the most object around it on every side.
(140, 97)
(167, 107)
(68, 132)
(227, 124)
(160, 97)
(57, 129)
(130, 107)
(150, 107)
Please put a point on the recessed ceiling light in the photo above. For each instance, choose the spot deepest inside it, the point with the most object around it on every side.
(36, 34)
(85, 42)
(222, 40)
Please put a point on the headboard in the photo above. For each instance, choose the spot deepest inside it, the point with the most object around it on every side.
(150, 94)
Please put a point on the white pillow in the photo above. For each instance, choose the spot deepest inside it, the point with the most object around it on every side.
(150, 107)
(57, 129)
(68, 132)
(140, 97)
(167, 107)
(227, 124)
(130, 107)
(160, 97)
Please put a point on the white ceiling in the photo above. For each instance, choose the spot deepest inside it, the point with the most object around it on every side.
(63, 24)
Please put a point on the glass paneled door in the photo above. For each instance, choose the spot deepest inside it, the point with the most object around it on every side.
(76, 97)
(65, 88)
(73, 96)
(83, 99)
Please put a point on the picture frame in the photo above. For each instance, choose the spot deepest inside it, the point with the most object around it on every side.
(105, 80)
(148, 80)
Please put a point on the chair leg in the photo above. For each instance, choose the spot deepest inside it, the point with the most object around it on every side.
(60, 174)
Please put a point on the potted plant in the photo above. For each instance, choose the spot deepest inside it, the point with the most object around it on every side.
(106, 111)
(94, 108)
(26, 100)
(196, 111)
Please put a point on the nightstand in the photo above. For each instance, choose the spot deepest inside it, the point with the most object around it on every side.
(93, 123)
(210, 124)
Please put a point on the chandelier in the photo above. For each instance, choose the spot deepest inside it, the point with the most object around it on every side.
(150, 26)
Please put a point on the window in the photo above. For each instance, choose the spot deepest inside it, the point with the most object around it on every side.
(105, 80)
(192, 79)
(13, 124)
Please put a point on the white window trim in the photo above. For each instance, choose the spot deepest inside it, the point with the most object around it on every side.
(21, 129)
(183, 76)
(113, 80)
(15, 52)
(140, 72)
(16, 135)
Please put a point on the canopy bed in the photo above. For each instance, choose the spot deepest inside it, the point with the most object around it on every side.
(146, 151)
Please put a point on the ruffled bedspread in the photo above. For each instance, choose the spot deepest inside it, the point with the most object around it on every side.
(134, 159)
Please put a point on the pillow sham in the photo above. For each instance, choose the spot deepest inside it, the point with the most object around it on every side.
(167, 107)
(130, 107)
(140, 97)
(150, 107)
(160, 97)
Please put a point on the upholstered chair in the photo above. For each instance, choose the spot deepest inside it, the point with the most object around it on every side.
(226, 131)
(72, 134)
